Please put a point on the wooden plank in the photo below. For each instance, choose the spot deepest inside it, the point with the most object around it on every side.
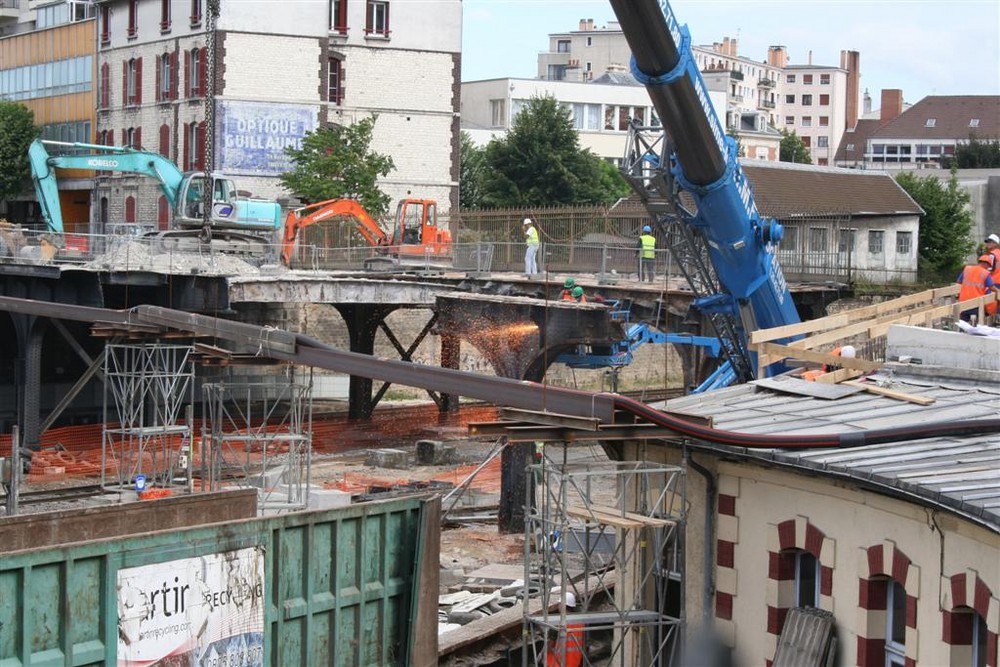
(800, 387)
(786, 352)
(839, 375)
(891, 393)
(614, 517)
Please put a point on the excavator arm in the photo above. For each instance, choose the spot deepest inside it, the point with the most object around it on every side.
(97, 158)
(299, 219)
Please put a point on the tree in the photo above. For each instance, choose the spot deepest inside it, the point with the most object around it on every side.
(741, 150)
(945, 228)
(540, 163)
(337, 163)
(975, 154)
(793, 149)
(471, 165)
(17, 131)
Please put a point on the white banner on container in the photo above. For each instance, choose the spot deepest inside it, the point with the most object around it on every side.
(206, 612)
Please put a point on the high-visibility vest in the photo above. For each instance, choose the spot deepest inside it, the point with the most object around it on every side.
(996, 265)
(648, 246)
(532, 235)
(973, 282)
(567, 650)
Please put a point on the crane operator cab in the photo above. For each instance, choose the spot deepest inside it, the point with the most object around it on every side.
(412, 216)
(191, 199)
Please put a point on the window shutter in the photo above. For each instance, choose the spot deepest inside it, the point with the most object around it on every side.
(386, 26)
(138, 137)
(203, 73)
(369, 17)
(173, 75)
(164, 147)
(162, 213)
(200, 148)
(130, 209)
(159, 77)
(124, 137)
(125, 99)
(138, 81)
(187, 74)
(187, 147)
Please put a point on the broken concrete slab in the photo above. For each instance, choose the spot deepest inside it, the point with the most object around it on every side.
(388, 458)
(435, 453)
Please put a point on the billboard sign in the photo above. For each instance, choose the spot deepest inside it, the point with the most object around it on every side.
(252, 136)
(202, 611)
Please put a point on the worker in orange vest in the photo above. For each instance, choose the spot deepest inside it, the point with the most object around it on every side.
(568, 648)
(975, 281)
(993, 250)
(567, 291)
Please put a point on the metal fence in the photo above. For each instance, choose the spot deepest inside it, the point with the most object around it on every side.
(594, 240)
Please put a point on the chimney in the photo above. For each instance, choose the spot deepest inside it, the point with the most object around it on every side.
(590, 24)
(892, 104)
(583, 24)
(734, 45)
(810, 57)
(851, 61)
(777, 56)
(868, 103)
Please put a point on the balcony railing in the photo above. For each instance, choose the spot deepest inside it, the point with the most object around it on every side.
(736, 75)
(10, 8)
(764, 104)
(766, 83)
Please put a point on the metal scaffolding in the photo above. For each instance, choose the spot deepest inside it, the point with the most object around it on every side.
(147, 385)
(611, 535)
(258, 433)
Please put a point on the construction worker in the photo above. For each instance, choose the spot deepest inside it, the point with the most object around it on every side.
(647, 254)
(976, 281)
(578, 295)
(567, 649)
(567, 291)
(531, 248)
(993, 249)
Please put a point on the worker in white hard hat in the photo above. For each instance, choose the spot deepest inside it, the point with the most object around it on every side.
(568, 648)
(531, 248)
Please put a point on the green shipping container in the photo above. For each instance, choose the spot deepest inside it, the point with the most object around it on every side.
(334, 587)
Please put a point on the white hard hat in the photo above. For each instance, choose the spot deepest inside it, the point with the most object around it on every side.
(527, 221)
(848, 351)
(569, 599)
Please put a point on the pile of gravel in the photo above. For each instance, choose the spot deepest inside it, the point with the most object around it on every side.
(131, 254)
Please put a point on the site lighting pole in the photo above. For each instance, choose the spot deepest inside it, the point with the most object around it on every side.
(211, 18)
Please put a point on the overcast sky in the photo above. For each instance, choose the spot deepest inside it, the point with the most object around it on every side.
(924, 47)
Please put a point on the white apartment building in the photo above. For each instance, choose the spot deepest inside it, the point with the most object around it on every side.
(284, 69)
(753, 86)
(600, 110)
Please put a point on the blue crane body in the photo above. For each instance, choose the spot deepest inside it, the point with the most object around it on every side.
(183, 190)
(741, 244)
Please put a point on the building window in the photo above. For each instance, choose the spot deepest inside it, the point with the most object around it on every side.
(824, 121)
(133, 18)
(817, 239)
(133, 82)
(335, 81)
(104, 99)
(931, 122)
(194, 147)
(194, 72)
(498, 113)
(850, 147)
(790, 78)
(790, 241)
(806, 141)
(164, 77)
(196, 13)
(824, 100)
(807, 79)
(377, 18)
(807, 572)
(130, 209)
(165, 15)
(105, 19)
(789, 99)
(876, 238)
(822, 142)
(974, 122)
(846, 240)
(338, 16)
(824, 79)
(162, 213)
(164, 147)
(562, 46)
(807, 100)
(789, 120)
(895, 624)
(904, 243)
(807, 121)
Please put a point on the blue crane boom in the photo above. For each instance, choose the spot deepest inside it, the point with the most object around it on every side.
(702, 161)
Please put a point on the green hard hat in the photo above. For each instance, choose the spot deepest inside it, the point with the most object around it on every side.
(568, 283)
(577, 292)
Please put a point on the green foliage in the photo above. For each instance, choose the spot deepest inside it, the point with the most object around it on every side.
(792, 149)
(741, 150)
(976, 154)
(17, 131)
(337, 163)
(945, 228)
(471, 167)
(540, 163)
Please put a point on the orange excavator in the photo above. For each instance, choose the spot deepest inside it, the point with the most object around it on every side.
(415, 234)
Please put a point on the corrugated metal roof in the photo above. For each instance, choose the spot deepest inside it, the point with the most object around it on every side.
(960, 473)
